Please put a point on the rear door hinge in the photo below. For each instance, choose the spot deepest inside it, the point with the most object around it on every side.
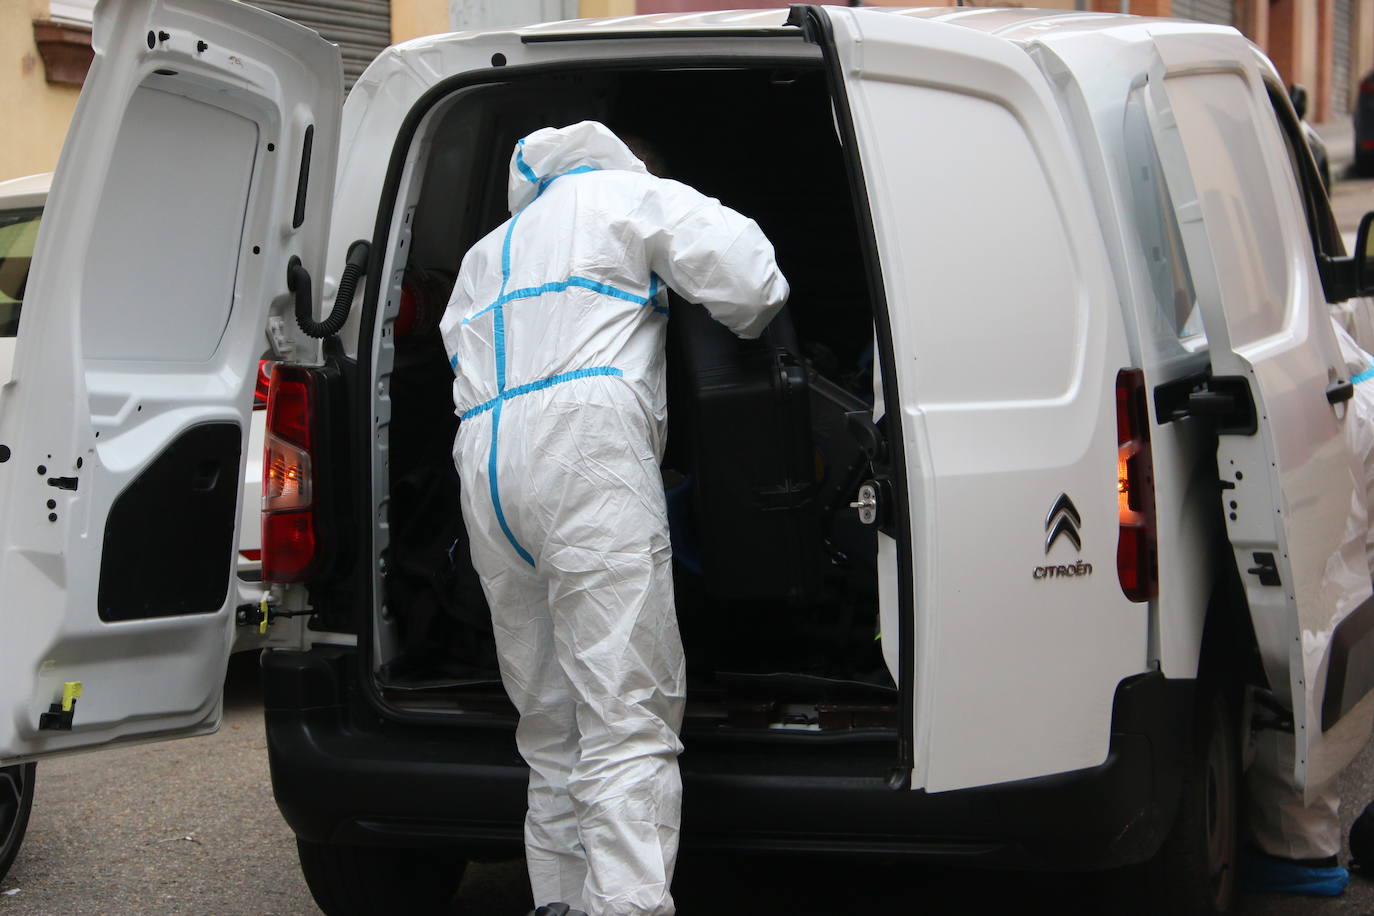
(1223, 401)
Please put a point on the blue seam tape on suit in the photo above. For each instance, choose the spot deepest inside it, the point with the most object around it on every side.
(499, 337)
(1364, 376)
(520, 162)
(495, 490)
(558, 286)
(499, 340)
(540, 385)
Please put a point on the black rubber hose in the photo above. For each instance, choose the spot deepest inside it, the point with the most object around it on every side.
(298, 282)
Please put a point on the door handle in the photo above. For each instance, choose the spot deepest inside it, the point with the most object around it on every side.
(1340, 391)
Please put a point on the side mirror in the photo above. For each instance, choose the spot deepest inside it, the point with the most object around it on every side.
(1297, 94)
(1346, 278)
(1364, 256)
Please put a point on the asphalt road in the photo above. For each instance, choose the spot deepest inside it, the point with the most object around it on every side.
(190, 827)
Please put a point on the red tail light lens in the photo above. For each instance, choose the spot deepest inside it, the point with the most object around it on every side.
(1137, 564)
(264, 380)
(288, 516)
(288, 545)
(1367, 87)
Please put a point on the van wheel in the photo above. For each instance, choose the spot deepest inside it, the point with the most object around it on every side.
(16, 801)
(366, 880)
(1194, 871)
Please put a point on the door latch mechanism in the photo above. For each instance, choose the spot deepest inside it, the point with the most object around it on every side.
(262, 615)
(59, 715)
(873, 503)
(1266, 569)
(867, 503)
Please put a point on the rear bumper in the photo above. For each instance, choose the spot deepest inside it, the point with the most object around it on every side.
(344, 774)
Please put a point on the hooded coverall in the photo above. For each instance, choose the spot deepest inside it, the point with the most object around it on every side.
(556, 332)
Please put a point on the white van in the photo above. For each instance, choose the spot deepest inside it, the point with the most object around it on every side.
(1059, 329)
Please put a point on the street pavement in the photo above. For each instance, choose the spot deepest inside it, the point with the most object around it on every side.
(190, 828)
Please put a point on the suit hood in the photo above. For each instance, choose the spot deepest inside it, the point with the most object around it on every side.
(552, 152)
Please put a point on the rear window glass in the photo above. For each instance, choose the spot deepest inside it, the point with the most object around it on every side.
(18, 230)
(1161, 241)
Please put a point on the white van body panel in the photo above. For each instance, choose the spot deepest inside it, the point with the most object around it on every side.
(1094, 74)
(1008, 341)
(163, 244)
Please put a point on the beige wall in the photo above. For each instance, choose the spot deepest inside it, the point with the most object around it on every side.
(598, 9)
(413, 18)
(34, 113)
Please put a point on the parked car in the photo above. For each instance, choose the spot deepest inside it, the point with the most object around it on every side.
(1364, 126)
(1096, 525)
(21, 203)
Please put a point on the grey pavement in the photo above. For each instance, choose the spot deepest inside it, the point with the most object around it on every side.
(185, 827)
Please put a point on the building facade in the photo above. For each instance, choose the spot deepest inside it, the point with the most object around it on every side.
(1326, 45)
(45, 50)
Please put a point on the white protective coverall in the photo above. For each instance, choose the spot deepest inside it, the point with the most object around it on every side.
(556, 333)
(1282, 822)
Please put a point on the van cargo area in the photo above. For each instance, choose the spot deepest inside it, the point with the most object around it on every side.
(775, 576)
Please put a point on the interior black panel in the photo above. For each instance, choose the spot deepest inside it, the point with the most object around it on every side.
(169, 539)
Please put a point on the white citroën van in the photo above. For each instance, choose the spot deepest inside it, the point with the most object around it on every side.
(1058, 328)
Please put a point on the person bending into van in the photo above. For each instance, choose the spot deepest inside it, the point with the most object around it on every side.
(556, 332)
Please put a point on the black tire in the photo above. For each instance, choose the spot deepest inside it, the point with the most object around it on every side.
(373, 880)
(1194, 873)
(16, 801)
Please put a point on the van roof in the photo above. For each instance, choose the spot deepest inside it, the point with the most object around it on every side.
(1013, 24)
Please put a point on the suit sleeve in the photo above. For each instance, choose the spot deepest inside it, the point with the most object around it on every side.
(712, 255)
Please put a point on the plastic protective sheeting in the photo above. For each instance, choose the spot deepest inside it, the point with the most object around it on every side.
(556, 333)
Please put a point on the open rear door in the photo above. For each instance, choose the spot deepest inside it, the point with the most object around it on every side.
(200, 159)
(985, 236)
(1292, 491)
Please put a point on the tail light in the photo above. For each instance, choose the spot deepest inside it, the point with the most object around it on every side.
(288, 508)
(1137, 563)
(264, 380)
(1367, 87)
